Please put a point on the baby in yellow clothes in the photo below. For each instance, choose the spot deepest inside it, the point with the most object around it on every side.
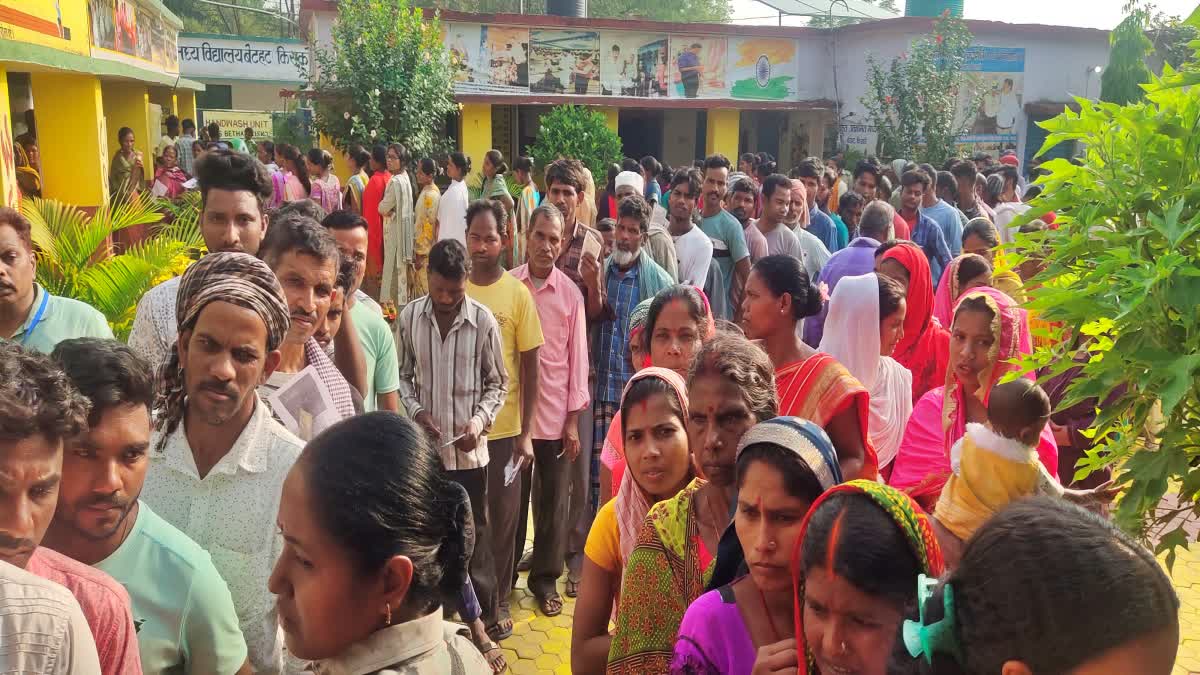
(994, 465)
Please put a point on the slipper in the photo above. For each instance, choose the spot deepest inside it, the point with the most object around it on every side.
(494, 656)
(501, 630)
(551, 605)
(526, 561)
(572, 588)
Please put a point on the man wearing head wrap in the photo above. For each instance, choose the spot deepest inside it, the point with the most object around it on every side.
(815, 253)
(658, 241)
(218, 457)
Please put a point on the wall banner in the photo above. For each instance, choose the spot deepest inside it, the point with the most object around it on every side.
(997, 74)
(235, 58)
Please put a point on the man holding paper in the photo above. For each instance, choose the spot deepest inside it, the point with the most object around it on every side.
(510, 441)
(452, 383)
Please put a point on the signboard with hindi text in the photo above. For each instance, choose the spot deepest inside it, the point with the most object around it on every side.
(233, 123)
(229, 57)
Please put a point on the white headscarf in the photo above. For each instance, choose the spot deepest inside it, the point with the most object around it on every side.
(852, 337)
(632, 179)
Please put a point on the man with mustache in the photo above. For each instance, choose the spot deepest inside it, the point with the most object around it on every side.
(730, 253)
(218, 458)
(39, 410)
(815, 253)
(659, 243)
(740, 202)
(565, 179)
(29, 314)
(777, 201)
(304, 257)
(692, 245)
(234, 189)
(184, 614)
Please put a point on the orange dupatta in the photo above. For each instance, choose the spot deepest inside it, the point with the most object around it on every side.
(817, 389)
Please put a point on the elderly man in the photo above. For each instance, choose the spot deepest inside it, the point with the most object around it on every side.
(39, 411)
(304, 256)
(181, 605)
(234, 188)
(815, 253)
(29, 314)
(658, 240)
(218, 457)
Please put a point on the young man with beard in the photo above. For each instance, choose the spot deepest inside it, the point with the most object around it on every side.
(304, 256)
(811, 172)
(565, 179)
(453, 383)
(948, 219)
(510, 440)
(728, 240)
(39, 411)
(914, 185)
(692, 246)
(815, 253)
(182, 608)
(777, 200)
(867, 177)
(234, 189)
(740, 204)
(966, 175)
(218, 458)
(562, 394)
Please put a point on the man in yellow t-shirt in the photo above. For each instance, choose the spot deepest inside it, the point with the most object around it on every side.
(510, 439)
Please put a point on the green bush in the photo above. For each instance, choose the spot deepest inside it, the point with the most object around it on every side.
(580, 133)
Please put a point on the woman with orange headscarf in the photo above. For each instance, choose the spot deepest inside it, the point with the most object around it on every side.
(925, 347)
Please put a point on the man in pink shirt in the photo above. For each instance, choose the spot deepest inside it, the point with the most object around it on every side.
(743, 194)
(40, 409)
(562, 395)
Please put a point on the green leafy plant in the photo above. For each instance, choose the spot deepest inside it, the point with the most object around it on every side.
(578, 133)
(1127, 71)
(385, 78)
(76, 258)
(1123, 272)
(913, 101)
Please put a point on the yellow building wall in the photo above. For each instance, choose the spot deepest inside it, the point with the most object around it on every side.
(475, 132)
(41, 26)
(166, 99)
(186, 100)
(721, 135)
(10, 194)
(340, 168)
(611, 117)
(72, 137)
(127, 104)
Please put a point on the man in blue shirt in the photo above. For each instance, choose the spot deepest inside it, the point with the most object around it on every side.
(940, 212)
(689, 67)
(914, 185)
(811, 171)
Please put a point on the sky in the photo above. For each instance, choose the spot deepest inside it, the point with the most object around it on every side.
(1088, 13)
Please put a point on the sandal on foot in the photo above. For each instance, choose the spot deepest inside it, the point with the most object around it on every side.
(572, 588)
(494, 656)
(551, 605)
(501, 630)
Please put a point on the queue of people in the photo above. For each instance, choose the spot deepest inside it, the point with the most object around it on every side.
(750, 414)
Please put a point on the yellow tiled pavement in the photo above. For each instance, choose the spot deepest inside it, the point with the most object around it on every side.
(1186, 577)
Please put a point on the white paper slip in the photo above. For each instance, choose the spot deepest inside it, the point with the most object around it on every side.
(304, 405)
(512, 469)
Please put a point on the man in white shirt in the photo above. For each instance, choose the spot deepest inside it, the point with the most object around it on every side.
(692, 246)
(233, 190)
(777, 202)
(34, 613)
(218, 458)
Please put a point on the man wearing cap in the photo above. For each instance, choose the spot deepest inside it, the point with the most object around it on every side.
(658, 241)
(218, 459)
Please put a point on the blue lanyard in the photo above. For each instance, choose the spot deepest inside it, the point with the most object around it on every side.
(37, 317)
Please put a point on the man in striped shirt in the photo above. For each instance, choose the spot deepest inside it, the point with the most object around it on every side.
(453, 383)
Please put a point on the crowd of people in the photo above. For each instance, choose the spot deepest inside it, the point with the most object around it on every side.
(761, 423)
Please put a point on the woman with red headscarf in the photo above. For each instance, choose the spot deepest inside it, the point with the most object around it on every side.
(989, 332)
(925, 347)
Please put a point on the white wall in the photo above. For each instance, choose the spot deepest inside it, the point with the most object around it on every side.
(256, 96)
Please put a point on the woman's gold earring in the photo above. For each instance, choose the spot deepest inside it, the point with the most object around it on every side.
(388, 614)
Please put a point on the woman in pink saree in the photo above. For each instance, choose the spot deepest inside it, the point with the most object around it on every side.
(988, 333)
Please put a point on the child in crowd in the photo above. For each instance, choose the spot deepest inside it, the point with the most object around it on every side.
(996, 464)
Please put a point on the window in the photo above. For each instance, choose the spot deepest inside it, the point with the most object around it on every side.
(215, 97)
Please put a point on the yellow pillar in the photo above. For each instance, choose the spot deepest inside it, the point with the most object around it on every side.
(10, 194)
(185, 99)
(72, 137)
(475, 137)
(721, 135)
(340, 168)
(611, 116)
(127, 104)
(165, 98)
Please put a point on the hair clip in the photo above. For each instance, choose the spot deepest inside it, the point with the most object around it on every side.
(940, 637)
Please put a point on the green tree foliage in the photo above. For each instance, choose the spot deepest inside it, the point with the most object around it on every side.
(913, 101)
(685, 11)
(578, 133)
(385, 78)
(1123, 272)
(264, 18)
(76, 260)
(1127, 71)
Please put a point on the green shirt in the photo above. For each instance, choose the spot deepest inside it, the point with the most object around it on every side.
(379, 351)
(729, 242)
(182, 609)
(62, 319)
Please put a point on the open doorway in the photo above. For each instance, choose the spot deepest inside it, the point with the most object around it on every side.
(641, 132)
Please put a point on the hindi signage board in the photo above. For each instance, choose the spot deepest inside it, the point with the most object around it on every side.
(237, 58)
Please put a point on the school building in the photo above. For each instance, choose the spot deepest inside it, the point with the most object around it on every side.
(79, 70)
(681, 91)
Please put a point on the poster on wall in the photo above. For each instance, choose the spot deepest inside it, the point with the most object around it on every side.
(504, 56)
(698, 67)
(462, 41)
(991, 103)
(634, 64)
(763, 69)
(104, 28)
(564, 62)
(147, 25)
(125, 18)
